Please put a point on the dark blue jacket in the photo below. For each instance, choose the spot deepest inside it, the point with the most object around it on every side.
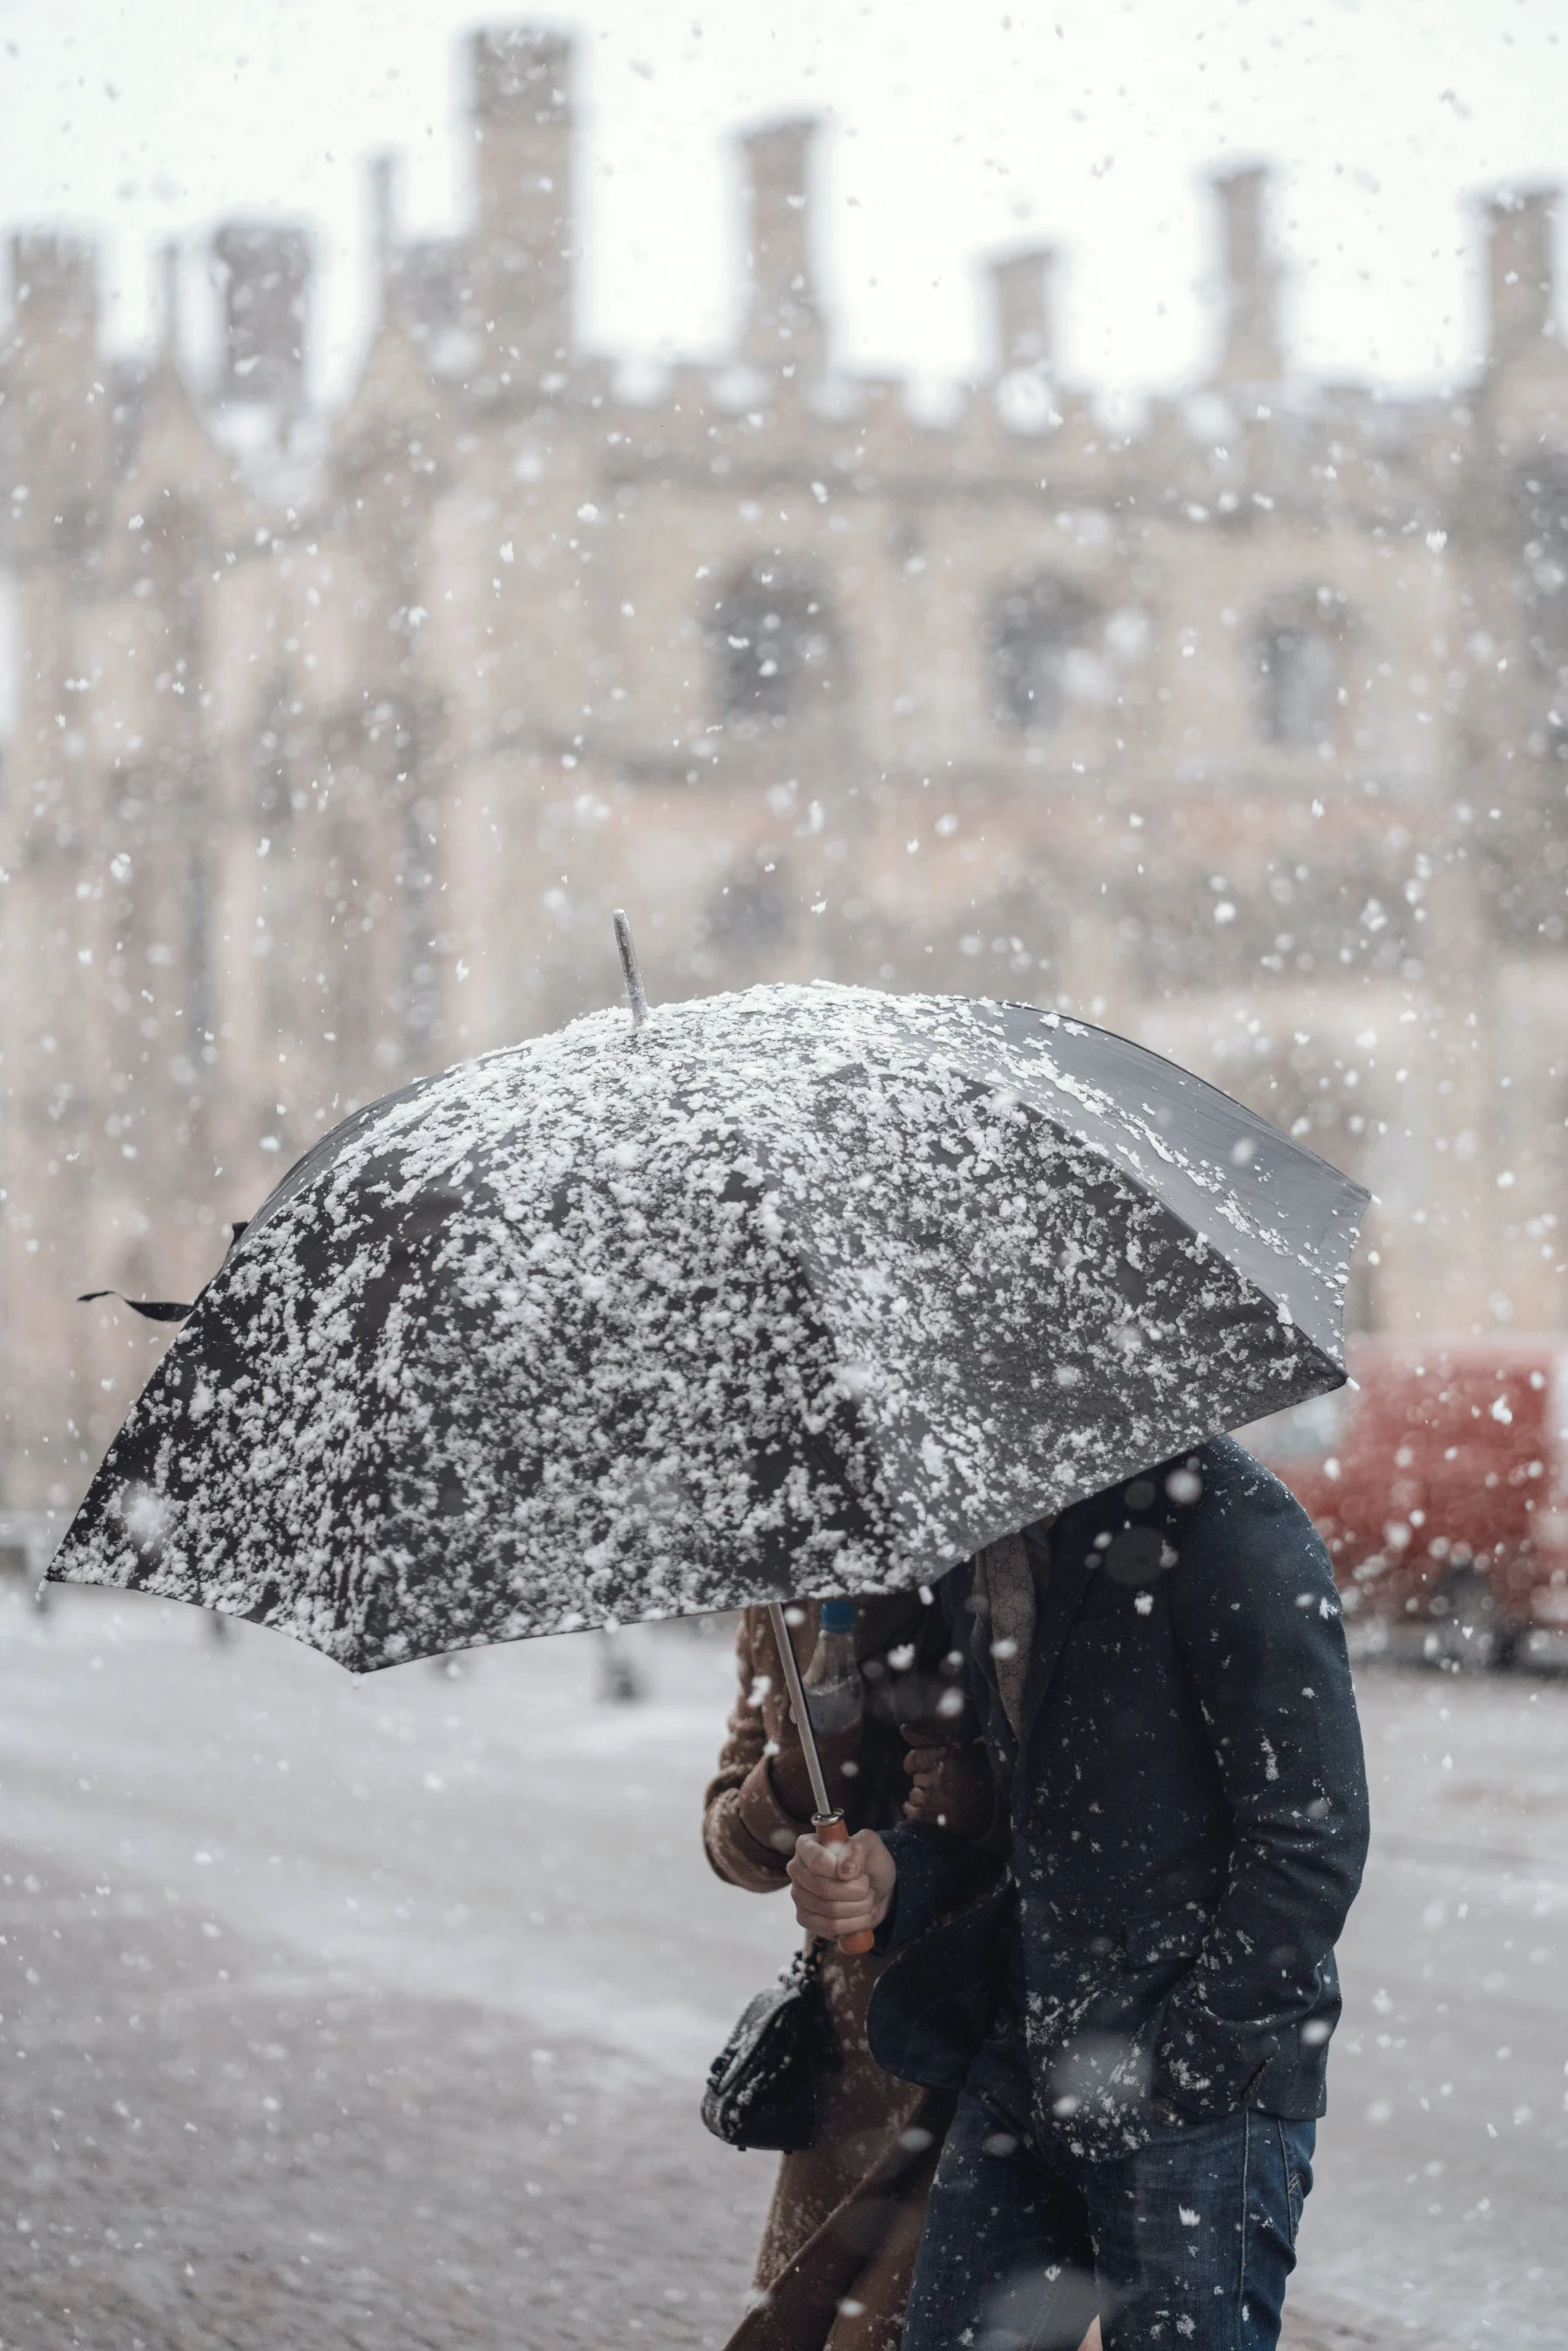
(1188, 1820)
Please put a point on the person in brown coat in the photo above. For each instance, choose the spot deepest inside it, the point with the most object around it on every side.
(833, 2268)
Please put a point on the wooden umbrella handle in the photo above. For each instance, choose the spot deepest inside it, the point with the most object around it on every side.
(831, 1829)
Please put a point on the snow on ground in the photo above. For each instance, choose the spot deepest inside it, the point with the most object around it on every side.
(488, 1831)
(1444, 2174)
(500, 1842)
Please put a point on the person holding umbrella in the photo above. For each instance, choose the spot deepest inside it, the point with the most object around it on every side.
(819, 1289)
(894, 1737)
(1134, 2012)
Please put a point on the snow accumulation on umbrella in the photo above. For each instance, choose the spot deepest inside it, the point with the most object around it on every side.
(806, 1289)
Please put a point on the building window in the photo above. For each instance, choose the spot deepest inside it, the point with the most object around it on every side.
(776, 646)
(1298, 659)
(1544, 501)
(274, 751)
(1035, 631)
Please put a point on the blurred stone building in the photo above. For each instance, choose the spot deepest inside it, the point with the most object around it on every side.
(337, 738)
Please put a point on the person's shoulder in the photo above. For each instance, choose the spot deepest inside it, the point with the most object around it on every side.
(1235, 1482)
(1241, 1507)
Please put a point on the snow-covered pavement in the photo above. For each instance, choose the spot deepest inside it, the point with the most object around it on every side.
(502, 1838)
(1444, 2178)
(487, 1833)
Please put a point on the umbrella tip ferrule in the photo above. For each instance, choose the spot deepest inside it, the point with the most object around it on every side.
(635, 995)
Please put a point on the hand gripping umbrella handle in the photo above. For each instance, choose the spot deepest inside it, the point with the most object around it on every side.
(829, 1825)
(832, 1829)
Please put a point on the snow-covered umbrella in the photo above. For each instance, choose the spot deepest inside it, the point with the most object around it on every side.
(802, 1289)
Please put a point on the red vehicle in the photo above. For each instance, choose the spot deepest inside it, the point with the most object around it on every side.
(1440, 1481)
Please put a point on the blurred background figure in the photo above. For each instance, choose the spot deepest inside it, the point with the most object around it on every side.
(619, 1681)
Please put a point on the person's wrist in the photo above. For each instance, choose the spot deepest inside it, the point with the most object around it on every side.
(791, 1792)
(791, 1782)
(886, 1925)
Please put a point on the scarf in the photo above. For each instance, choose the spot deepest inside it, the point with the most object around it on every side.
(1004, 1602)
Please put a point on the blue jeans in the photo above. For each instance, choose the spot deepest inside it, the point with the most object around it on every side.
(1186, 2244)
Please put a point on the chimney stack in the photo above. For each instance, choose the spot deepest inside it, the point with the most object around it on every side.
(784, 328)
(54, 284)
(381, 178)
(520, 256)
(264, 273)
(1251, 350)
(55, 424)
(1519, 288)
(1021, 288)
(170, 323)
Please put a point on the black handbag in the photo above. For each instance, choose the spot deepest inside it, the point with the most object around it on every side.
(762, 2086)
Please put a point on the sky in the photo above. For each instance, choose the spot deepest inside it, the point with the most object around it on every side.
(951, 133)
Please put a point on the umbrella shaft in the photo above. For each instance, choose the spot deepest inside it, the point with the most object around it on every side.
(801, 1711)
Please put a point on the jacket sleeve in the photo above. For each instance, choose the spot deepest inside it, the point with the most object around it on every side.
(1258, 1622)
(748, 1836)
(938, 1872)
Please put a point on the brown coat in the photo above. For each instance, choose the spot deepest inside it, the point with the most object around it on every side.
(834, 2269)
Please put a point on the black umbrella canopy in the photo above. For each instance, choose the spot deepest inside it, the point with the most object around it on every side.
(800, 1290)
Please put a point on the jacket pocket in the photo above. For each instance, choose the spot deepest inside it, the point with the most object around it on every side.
(1163, 1938)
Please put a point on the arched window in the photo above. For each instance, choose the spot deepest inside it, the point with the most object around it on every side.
(1035, 628)
(776, 645)
(1297, 651)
